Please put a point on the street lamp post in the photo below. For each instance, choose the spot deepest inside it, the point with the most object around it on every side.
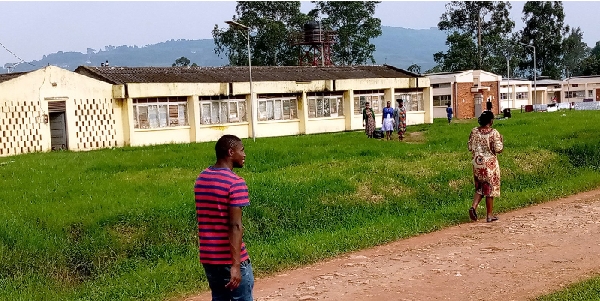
(508, 80)
(253, 106)
(534, 71)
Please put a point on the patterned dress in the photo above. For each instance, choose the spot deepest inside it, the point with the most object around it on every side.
(484, 144)
(369, 118)
(400, 116)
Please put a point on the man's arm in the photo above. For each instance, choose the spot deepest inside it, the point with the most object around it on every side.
(235, 241)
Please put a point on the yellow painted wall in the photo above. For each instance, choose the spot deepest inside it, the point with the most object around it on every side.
(277, 128)
(160, 136)
(280, 87)
(413, 118)
(214, 132)
(29, 94)
(175, 89)
(325, 125)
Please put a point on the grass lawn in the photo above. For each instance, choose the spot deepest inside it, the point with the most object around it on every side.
(119, 224)
(584, 291)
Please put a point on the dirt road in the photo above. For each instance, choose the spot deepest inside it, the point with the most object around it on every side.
(527, 253)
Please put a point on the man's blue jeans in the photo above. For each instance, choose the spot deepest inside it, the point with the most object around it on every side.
(218, 276)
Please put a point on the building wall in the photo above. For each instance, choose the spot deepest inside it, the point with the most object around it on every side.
(100, 115)
(464, 104)
(93, 119)
(278, 128)
(326, 125)
(20, 126)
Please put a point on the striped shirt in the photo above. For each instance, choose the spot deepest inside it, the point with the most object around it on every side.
(215, 191)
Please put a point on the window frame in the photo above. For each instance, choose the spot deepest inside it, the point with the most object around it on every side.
(241, 111)
(368, 97)
(330, 103)
(163, 110)
(278, 104)
(442, 99)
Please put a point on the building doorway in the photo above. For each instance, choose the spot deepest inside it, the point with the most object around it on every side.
(597, 94)
(478, 102)
(58, 124)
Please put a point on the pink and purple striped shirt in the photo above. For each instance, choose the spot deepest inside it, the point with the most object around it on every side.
(217, 189)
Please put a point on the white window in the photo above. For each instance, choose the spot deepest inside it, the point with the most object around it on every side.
(219, 110)
(160, 112)
(374, 98)
(441, 100)
(413, 101)
(277, 108)
(590, 93)
(575, 94)
(521, 95)
(325, 106)
(503, 95)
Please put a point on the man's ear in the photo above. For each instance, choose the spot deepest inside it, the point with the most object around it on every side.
(230, 152)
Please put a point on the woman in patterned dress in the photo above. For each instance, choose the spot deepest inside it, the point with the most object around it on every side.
(485, 143)
(400, 119)
(368, 120)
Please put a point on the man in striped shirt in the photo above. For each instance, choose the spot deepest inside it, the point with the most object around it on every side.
(220, 195)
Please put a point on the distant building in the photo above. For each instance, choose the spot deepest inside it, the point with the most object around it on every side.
(581, 88)
(467, 92)
(98, 107)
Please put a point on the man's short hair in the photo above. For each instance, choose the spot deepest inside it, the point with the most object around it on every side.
(225, 143)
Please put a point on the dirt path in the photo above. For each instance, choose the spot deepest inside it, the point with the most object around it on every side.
(528, 253)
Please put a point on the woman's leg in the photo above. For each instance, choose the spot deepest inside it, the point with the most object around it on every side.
(489, 205)
(473, 210)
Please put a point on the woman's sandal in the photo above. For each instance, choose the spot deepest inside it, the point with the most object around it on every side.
(492, 219)
(473, 214)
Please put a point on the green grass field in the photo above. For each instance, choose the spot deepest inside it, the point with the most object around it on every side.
(584, 291)
(119, 224)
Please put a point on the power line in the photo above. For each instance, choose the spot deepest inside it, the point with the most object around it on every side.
(20, 59)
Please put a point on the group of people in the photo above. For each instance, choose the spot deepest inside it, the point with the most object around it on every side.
(221, 194)
(391, 119)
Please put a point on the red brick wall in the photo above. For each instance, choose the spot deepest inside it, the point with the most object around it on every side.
(466, 109)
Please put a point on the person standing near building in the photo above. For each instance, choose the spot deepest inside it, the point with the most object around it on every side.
(369, 120)
(449, 113)
(220, 195)
(484, 144)
(387, 120)
(400, 118)
(488, 104)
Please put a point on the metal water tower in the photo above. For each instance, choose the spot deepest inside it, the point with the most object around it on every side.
(315, 45)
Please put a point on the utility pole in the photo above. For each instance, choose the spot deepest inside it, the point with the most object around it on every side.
(479, 37)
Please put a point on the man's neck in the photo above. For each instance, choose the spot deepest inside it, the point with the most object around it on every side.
(224, 164)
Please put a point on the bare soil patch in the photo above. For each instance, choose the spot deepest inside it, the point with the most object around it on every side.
(527, 253)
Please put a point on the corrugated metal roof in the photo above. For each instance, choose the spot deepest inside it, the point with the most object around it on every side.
(122, 75)
(9, 76)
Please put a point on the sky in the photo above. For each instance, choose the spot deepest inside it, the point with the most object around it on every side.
(32, 29)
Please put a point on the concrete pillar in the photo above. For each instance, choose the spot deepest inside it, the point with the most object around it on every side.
(127, 119)
(349, 109)
(428, 104)
(251, 107)
(194, 118)
(303, 113)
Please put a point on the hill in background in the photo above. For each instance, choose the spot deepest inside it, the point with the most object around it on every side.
(397, 46)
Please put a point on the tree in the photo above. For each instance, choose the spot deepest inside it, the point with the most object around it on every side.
(591, 64)
(544, 29)
(181, 62)
(478, 35)
(355, 26)
(271, 25)
(414, 68)
(575, 51)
